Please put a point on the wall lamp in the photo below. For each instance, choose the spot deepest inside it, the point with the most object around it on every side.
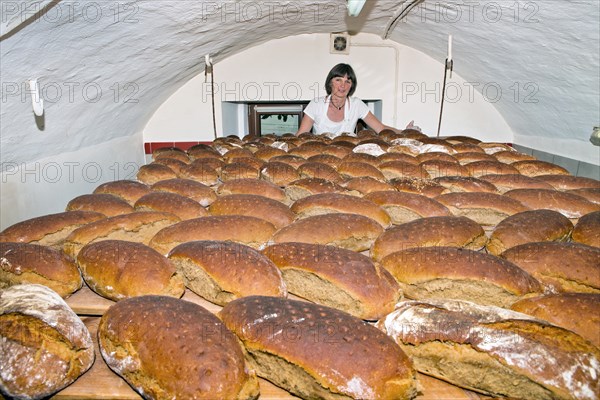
(355, 6)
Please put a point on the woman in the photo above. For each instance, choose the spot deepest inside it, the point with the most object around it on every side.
(339, 112)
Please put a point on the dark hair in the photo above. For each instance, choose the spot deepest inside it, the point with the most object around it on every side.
(341, 70)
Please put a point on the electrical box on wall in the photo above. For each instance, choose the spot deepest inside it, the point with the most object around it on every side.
(339, 43)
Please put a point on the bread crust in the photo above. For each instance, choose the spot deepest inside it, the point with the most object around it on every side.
(504, 183)
(258, 187)
(154, 172)
(252, 205)
(176, 204)
(444, 272)
(128, 190)
(279, 173)
(568, 204)
(465, 184)
(568, 182)
(22, 263)
(404, 207)
(484, 208)
(481, 168)
(529, 226)
(349, 231)
(189, 188)
(187, 353)
(339, 356)
(538, 167)
(44, 346)
(587, 230)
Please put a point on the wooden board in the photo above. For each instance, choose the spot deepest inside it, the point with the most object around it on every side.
(101, 383)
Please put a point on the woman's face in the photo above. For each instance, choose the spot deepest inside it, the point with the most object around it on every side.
(340, 86)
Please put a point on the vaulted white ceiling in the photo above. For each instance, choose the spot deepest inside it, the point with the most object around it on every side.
(89, 56)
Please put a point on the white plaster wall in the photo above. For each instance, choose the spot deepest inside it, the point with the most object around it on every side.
(29, 190)
(294, 68)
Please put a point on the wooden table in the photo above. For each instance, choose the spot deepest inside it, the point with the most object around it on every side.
(100, 382)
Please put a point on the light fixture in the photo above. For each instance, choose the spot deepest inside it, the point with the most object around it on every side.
(355, 6)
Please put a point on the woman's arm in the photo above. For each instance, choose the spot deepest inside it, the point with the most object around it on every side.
(306, 125)
(378, 126)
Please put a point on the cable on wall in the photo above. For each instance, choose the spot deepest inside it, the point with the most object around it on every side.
(403, 12)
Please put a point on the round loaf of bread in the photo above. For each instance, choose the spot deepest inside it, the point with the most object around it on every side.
(117, 270)
(481, 168)
(140, 226)
(279, 173)
(170, 152)
(336, 277)
(560, 267)
(492, 147)
(176, 204)
(366, 184)
(397, 157)
(103, 203)
(504, 183)
(402, 169)
(587, 230)
(154, 172)
(348, 231)
(249, 161)
(176, 165)
(405, 207)
(568, 182)
(527, 227)
(429, 232)
(538, 167)
(361, 158)
(471, 157)
(577, 312)
(455, 184)
(316, 351)
(319, 170)
(44, 346)
(200, 172)
(268, 152)
(511, 156)
(435, 156)
(239, 170)
(171, 348)
(305, 187)
(487, 209)
(258, 187)
(251, 231)
(186, 187)
(49, 230)
(337, 151)
(568, 204)
(224, 271)
(290, 159)
(252, 205)
(128, 190)
(327, 203)
(439, 168)
(426, 187)
(457, 273)
(495, 351)
(327, 159)
(306, 150)
(22, 263)
(202, 150)
(355, 169)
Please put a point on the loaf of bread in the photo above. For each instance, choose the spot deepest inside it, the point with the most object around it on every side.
(568, 204)
(504, 183)
(560, 267)
(172, 153)
(319, 170)
(364, 158)
(103, 203)
(487, 209)
(355, 169)
(465, 184)
(337, 150)
(176, 165)
(527, 227)
(176, 204)
(237, 153)
(426, 187)
(336, 277)
(224, 271)
(577, 312)
(140, 226)
(305, 187)
(289, 159)
(238, 170)
(154, 172)
(587, 230)
(258, 187)
(31, 263)
(435, 156)
(538, 167)
(170, 348)
(49, 230)
(438, 168)
(202, 150)
(365, 185)
(481, 168)
(495, 351)
(202, 172)
(267, 152)
(279, 173)
(253, 205)
(457, 273)
(317, 352)
(348, 231)
(429, 232)
(327, 203)
(251, 231)
(249, 161)
(405, 207)
(117, 270)
(472, 156)
(186, 187)
(568, 182)
(128, 190)
(44, 346)
(511, 156)
(403, 169)
(327, 159)
(590, 194)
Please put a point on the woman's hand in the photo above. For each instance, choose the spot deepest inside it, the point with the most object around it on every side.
(411, 125)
